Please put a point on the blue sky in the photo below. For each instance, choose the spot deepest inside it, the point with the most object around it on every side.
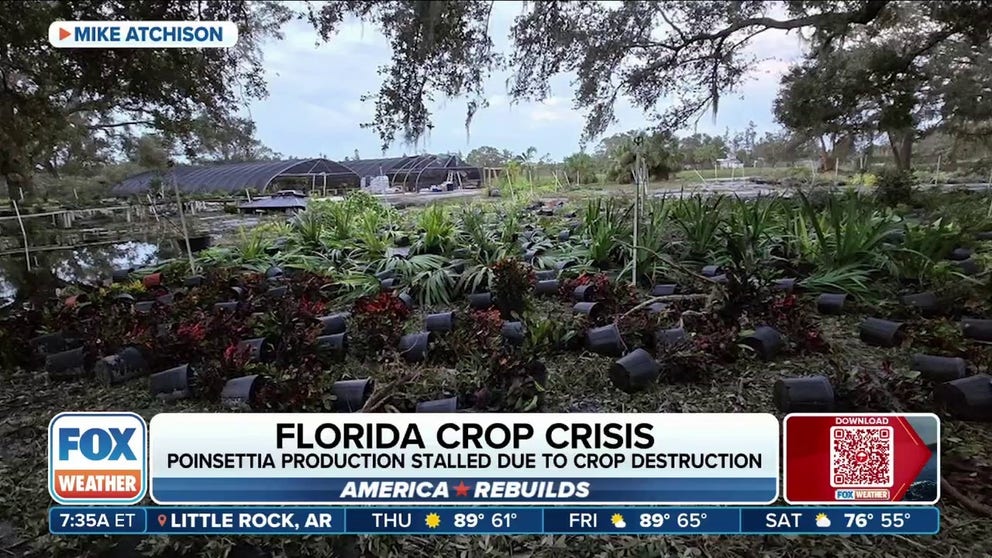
(314, 104)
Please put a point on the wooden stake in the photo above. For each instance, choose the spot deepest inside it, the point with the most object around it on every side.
(27, 252)
(182, 219)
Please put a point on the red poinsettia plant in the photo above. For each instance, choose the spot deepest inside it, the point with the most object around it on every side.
(378, 322)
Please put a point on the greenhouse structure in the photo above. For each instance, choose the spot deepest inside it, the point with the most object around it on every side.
(323, 176)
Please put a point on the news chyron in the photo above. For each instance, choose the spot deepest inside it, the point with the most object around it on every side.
(143, 34)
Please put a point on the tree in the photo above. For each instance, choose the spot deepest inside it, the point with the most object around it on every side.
(701, 150)
(580, 168)
(488, 157)
(226, 140)
(659, 149)
(645, 51)
(43, 90)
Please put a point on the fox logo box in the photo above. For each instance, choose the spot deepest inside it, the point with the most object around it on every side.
(97, 458)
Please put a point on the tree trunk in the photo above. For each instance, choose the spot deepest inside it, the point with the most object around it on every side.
(901, 142)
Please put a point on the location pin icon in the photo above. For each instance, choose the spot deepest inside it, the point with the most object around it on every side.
(161, 520)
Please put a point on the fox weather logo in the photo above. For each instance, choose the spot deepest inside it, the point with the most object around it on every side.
(97, 458)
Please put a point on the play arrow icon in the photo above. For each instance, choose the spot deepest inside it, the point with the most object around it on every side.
(63, 34)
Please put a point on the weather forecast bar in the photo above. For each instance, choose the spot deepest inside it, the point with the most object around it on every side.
(439, 520)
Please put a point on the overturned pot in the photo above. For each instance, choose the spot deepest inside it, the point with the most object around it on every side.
(926, 303)
(592, 309)
(351, 395)
(831, 303)
(441, 322)
(765, 341)
(413, 347)
(174, 383)
(634, 372)
(259, 349)
(127, 364)
(449, 405)
(673, 337)
(545, 275)
(547, 287)
(513, 333)
(240, 393)
(939, 369)
(584, 293)
(67, 365)
(334, 323)
(968, 398)
(481, 301)
(334, 344)
(605, 340)
(808, 394)
(979, 330)
(666, 289)
(881, 333)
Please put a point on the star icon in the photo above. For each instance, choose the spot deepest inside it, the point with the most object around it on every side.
(461, 489)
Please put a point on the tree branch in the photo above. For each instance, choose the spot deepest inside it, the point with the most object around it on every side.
(119, 124)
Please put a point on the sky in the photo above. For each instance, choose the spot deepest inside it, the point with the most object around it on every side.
(314, 104)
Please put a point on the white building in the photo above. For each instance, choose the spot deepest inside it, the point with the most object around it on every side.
(729, 163)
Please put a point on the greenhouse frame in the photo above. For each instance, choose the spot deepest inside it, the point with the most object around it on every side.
(409, 173)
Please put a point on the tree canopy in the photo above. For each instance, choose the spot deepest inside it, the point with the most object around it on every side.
(51, 98)
(645, 51)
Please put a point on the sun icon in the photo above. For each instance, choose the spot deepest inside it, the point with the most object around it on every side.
(433, 520)
(617, 521)
(822, 520)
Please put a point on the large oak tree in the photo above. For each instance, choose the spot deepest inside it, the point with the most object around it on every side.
(49, 96)
(692, 53)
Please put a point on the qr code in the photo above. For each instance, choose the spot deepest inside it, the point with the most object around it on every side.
(861, 457)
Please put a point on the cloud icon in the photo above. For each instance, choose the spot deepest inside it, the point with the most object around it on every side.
(822, 520)
(620, 524)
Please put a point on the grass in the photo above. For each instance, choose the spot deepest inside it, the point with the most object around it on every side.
(577, 383)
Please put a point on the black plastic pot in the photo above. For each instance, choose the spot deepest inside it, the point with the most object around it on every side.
(123, 298)
(765, 341)
(121, 275)
(480, 301)
(513, 332)
(634, 372)
(711, 270)
(49, 343)
(721, 279)
(545, 275)
(449, 405)
(984, 235)
(398, 252)
(407, 300)
(402, 241)
(979, 330)
(960, 254)
(193, 281)
(605, 340)
(547, 287)
(272, 272)
(584, 293)
(925, 303)
(664, 290)
(671, 337)
(166, 299)
(390, 283)
(277, 292)
(787, 284)
(531, 255)
(461, 253)
(968, 267)
(334, 323)
(351, 395)
(144, 307)
(230, 306)
(66, 365)
(441, 322)
(277, 246)
(831, 303)
(413, 346)
(881, 333)
(591, 309)
(564, 235)
(564, 264)
(939, 369)
(259, 349)
(968, 398)
(240, 392)
(387, 274)
(336, 343)
(127, 364)
(809, 394)
(457, 266)
(174, 383)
